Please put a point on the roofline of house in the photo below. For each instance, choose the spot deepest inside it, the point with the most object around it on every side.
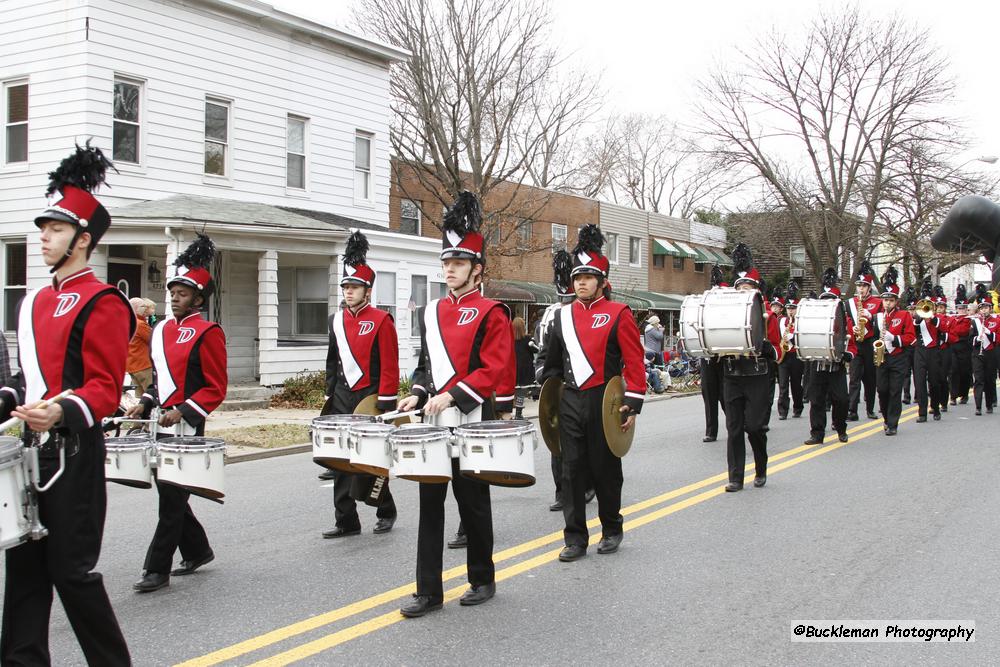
(333, 235)
(265, 12)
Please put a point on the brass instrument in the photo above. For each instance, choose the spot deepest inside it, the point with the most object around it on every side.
(786, 340)
(879, 344)
(924, 309)
(862, 326)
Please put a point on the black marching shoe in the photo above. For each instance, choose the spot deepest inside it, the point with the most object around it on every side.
(384, 525)
(460, 541)
(978, 412)
(944, 407)
(814, 440)
(556, 506)
(478, 594)
(852, 416)
(797, 414)
(733, 487)
(420, 605)
(872, 415)
(954, 401)
(989, 411)
(842, 436)
(189, 566)
(151, 581)
(937, 416)
(340, 532)
(589, 495)
(906, 400)
(890, 431)
(609, 544)
(921, 419)
(572, 552)
(782, 417)
(759, 481)
(964, 400)
(708, 438)
(328, 474)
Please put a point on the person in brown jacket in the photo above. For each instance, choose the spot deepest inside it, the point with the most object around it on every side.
(140, 365)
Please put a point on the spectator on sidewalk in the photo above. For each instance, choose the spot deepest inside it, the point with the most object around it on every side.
(524, 353)
(140, 364)
(653, 375)
(652, 338)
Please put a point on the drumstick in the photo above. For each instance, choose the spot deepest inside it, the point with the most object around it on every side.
(119, 420)
(396, 415)
(14, 421)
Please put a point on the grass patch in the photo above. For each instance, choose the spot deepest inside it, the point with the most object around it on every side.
(265, 436)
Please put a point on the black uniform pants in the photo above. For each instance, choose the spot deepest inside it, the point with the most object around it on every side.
(711, 394)
(947, 361)
(891, 376)
(477, 518)
(863, 375)
(961, 369)
(347, 487)
(830, 384)
(587, 458)
(557, 466)
(747, 413)
(807, 374)
(73, 511)
(927, 379)
(984, 372)
(790, 381)
(907, 380)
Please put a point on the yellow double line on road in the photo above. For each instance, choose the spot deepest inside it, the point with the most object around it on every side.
(784, 460)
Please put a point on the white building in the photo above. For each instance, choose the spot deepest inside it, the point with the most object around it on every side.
(267, 131)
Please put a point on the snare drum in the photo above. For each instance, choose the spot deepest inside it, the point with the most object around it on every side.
(421, 453)
(820, 330)
(500, 452)
(127, 461)
(452, 417)
(14, 525)
(690, 320)
(370, 448)
(331, 445)
(732, 322)
(195, 464)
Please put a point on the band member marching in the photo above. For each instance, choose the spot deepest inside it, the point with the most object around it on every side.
(910, 301)
(984, 339)
(791, 367)
(961, 348)
(189, 382)
(711, 378)
(896, 334)
(829, 378)
(466, 354)
(72, 334)
(593, 339)
(862, 309)
(927, 359)
(362, 360)
(747, 387)
(946, 338)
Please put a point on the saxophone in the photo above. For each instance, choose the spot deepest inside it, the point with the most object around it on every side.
(786, 340)
(879, 344)
(862, 326)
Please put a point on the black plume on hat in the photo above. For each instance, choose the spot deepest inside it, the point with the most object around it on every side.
(589, 240)
(357, 249)
(717, 277)
(812, 294)
(200, 253)
(865, 269)
(792, 291)
(465, 215)
(830, 278)
(911, 295)
(742, 258)
(939, 292)
(890, 276)
(777, 292)
(960, 293)
(981, 292)
(84, 168)
(926, 290)
(562, 265)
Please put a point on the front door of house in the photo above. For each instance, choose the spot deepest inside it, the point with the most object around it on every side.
(126, 277)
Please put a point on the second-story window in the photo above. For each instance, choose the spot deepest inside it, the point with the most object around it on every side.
(216, 137)
(363, 166)
(611, 247)
(524, 234)
(296, 151)
(15, 122)
(634, 248)
(558, 237)
(126, 130)
(409, 217)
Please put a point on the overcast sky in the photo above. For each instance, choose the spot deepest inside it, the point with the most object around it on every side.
(652, 52)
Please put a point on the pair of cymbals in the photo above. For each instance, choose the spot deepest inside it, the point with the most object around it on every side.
(619, 442)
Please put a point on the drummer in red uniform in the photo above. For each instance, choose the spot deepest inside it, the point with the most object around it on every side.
(189, 382)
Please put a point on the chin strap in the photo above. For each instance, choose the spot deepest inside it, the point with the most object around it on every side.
(69, 250)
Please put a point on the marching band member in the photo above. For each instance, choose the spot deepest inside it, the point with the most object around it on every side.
(896, 333)
(946, 338)
(961, 349)
(829, 380)
(747, 386)
(791, 367)
(466, 354)
(927, 362)
(362, 359)
(72, 334)
(189, 382)
(984, 364)
(910, 299)
(863, 364)
(711, 378)
(593, 339)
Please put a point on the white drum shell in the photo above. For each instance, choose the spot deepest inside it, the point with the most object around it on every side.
(500, 452)
(370, 448)
(195, 464)
(815, 323)
(128, 461)
(421, 455)
(14, 525)
(331, 440)
(729, 321)
(690, 325)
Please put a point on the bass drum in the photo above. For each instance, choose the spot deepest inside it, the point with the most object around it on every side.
(690, 320)
(732, 322)
(821, 330)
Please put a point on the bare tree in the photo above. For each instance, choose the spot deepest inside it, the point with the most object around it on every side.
(817, 121)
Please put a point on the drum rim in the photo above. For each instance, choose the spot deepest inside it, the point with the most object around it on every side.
(202, 445)
(514, 427)
(420, 440)
(340, 419)
(374, 427)
(127, 440)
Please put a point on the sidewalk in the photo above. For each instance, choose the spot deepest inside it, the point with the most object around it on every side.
(221, 421)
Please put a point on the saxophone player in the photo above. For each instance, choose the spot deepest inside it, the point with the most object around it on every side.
(984, 364)
(896, 334)
(862, 310)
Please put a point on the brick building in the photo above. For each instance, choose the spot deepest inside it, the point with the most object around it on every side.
(778, 247)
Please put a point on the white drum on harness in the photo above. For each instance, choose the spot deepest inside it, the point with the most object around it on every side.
(732, 322)
(421, 453)
(500, 452)
(195, 464)
(128, 461)
(690, 319)
(331, 441)
(820, 330)
(14, 523)
(453, 417)
(370, 448)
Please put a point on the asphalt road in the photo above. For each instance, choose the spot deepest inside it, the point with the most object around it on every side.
(882, 528)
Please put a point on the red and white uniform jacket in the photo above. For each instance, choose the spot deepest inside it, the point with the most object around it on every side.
(928, 332)
(946, 336)
(899, 324)
(363, 355)
(72, 335)
(467, 350)
(873, 305)
(984, 333)
(590, 344)
(960, 328)
(189, 367)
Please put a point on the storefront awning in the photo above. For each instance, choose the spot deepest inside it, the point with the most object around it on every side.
(522, 291)
(664, 247)
(721, 258)
(686, 249)
(644, 300)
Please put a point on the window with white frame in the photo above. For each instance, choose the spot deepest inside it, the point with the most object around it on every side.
(611, 247)
(409, 217)
(634, 248)
(295, 147)
(418, 299)
(127, 124)
(15, 281)
(559, 236)
(217, 137)
(797, 260)
(303, 301)
(15, 122)
(363, 165)
(385, 292)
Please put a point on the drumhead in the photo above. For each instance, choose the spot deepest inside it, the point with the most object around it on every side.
(10, 447)
(126, 442)
(733, 322)
(372, 428)
(496, 427)
(331, 420)
(418, 433)
(191, 444)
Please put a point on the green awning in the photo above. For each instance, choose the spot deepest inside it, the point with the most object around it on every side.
(686, 249)
(520, 291)
(703, 256)
(664, 247)
(644, 300)
(719, 257)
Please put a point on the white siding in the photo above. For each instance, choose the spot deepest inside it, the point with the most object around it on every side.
(626, 222)
(239, 313)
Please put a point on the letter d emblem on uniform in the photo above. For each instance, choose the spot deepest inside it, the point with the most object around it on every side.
(66, 303)
(184, 334)
(365, 328)
(467, 315)
(600, 320)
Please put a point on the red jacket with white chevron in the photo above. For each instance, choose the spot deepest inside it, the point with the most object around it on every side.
(363, 355)
(899, 325)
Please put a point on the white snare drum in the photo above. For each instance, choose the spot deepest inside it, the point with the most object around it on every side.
(127, 461)
(452, 417)
(194, 464)
(500, 452)
(690, 320)
(331, 441)
(732, 322)
(14, 524)
(820, 330)
(421, 453)
(370, 448)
